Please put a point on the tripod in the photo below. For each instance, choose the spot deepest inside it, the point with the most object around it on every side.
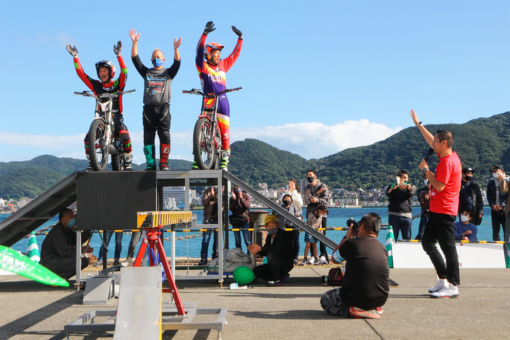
(153, 242)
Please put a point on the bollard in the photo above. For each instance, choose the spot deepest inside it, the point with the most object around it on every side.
(389, 245)
(506, 248)
(33, 249)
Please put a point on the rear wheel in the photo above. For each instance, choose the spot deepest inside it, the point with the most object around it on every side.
(98, 151)
(204, 151)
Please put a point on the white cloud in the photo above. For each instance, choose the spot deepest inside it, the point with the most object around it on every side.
(309, 140)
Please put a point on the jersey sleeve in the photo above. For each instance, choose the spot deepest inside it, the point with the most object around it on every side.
(140, 67)
(123, 73)
(83, 76)
(199, 61)
(228, 62)
(172, 71)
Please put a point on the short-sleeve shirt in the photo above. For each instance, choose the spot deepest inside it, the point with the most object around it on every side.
(449, 172)
(366, 280)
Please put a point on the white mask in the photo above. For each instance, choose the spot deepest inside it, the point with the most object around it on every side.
(464, 218)
(495, 175)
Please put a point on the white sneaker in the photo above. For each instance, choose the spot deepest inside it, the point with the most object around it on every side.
(322, 260)
(311, 261)
(441, 283)
(447, 292)
(99, 263)
(129, 262)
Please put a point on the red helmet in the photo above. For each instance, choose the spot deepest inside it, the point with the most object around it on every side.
(109, 65)
(211, 47)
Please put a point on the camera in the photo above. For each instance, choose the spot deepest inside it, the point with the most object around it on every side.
(352, 221)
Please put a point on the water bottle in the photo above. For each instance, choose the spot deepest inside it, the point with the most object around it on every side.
(236, 286)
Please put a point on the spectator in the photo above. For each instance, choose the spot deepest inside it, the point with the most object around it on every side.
(317, 192)
(156, 100)
(118, 249)
(365, 286)
(314, 220)
(464, 229)
(297, 200)
(133, 244)
(210, 203)
(288, 204)
(471, 196)
(58, 251)
(505, 186)
(279, 250)
(400, 215)
(444, 206)
(240, 203)
(497, 201)
(423, 195)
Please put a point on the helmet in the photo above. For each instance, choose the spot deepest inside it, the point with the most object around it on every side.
(211, 47)
(109, 65)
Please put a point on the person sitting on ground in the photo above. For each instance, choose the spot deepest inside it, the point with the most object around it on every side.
(365, 286)
(279, 250)
(288, 204)
(464, 229)
(58, 251)
(314, 220)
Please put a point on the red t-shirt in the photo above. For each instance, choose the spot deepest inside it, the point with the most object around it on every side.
(448, 171)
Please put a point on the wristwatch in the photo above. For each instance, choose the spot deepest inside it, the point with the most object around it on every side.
(425, 170)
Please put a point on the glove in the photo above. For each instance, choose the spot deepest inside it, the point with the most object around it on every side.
(72, 50)
(117, 48)
(209, 27)
(238, 32)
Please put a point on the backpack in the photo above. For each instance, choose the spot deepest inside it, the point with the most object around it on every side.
(335, 277)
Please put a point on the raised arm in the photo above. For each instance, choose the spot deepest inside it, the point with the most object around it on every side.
(134, 38)
(177, 43)
(429, 138)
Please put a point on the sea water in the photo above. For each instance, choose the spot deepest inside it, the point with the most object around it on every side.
(190, 243)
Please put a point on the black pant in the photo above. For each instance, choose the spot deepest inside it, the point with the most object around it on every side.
(440, 229)
(156, 118)
(275, 268)
(64, 267)
(498, 221)
(323, 248)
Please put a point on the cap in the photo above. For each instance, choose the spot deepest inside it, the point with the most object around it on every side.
(270, 218)
(497, 167)
(465, 170)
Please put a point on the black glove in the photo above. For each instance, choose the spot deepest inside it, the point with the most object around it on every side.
(117, 48)
(238, 32)
(72, 50)
(209, 27)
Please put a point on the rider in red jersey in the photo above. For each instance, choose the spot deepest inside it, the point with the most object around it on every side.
(212, 72)
(106, 72)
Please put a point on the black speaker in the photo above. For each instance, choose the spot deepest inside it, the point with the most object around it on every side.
(110, 200)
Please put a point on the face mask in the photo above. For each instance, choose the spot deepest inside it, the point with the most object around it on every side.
(495, 175)
(157, 62)
(287, 202)
(310, 179)
(468, 178)
(272, 231)
(464, 218)
(71, 223)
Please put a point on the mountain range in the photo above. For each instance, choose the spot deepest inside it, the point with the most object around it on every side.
(480, 144)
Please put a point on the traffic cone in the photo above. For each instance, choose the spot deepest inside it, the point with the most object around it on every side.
(33, 249)
(390, 239)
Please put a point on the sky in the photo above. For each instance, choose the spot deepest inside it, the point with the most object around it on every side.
(318, 77)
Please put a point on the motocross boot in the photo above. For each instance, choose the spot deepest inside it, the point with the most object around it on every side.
(163, 160)
(194, 167)
(149, 151)
(224, 159)
(88, 160)
(128, 157)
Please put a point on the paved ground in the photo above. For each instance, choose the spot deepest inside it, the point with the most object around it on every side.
(482, 311)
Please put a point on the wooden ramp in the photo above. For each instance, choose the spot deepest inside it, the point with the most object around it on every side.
(140, 304)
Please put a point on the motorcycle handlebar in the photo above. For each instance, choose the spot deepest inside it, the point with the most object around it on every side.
(110, 95)
(197, 91)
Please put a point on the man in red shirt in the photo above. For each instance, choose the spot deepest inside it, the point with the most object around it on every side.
(444, 205)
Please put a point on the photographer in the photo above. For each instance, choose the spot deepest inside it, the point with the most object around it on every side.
(365, 286)
(400, 215)
(240, 203)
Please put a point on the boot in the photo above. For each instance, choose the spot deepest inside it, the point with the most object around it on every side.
(88, 160)
(164, 152)
(224, 159)
(128, 157)
(149, 151)
(194, 167)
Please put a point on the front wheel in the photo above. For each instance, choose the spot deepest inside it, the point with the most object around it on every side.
(98, 151)
(204, 148)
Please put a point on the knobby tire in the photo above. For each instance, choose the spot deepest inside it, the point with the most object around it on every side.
(96, 137)
(200, 149)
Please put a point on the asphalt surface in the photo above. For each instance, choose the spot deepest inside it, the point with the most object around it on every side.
(482, 311)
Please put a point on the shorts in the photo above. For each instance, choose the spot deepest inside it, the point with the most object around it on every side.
(332, 303)
(310, 239)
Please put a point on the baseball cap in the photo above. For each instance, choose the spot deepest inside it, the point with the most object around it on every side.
(466, 170)
(497, 167)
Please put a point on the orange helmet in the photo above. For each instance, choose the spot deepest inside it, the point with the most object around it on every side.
(211, 47)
